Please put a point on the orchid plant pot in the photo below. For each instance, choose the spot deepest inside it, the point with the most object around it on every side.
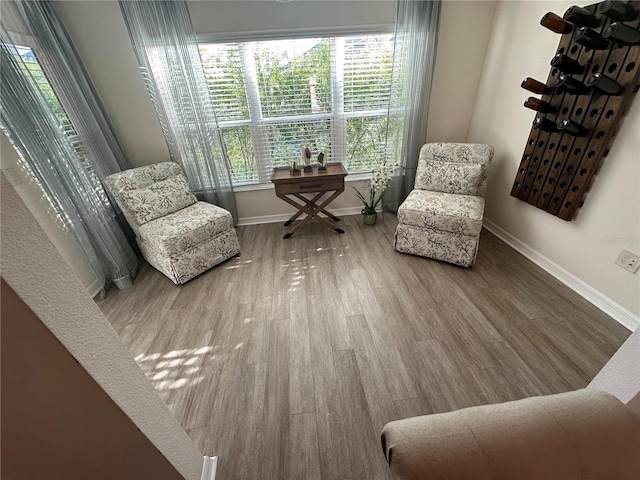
(370, 218)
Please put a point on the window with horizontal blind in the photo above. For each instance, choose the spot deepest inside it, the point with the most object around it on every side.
(328, 94)
(31, 67)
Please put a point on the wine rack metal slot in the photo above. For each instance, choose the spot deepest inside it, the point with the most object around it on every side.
(579, 111)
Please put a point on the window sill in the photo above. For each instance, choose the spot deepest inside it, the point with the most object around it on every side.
(351, 178)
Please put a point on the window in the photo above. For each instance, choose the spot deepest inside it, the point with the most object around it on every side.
(28, 61)
(271, 97)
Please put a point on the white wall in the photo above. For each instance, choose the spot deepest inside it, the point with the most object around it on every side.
(233, 16)
(34, 269)
(101, 37)
(610, 219)
(465, 29)
(102, 40)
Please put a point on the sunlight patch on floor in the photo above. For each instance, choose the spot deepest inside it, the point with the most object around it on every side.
(174, 369)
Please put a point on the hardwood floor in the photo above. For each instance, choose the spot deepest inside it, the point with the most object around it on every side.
(287, 361)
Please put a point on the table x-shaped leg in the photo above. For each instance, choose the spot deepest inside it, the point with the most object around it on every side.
(312, 209)
(311, 202)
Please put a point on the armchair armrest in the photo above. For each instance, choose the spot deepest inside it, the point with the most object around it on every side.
(584, 434)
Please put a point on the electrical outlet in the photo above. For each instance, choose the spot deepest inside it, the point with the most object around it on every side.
(628, 261)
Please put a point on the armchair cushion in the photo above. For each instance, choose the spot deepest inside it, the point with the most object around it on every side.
(450, 177)
(183, 230)
(158, 199)
(142, 177)
(447, 212)
(469, 154)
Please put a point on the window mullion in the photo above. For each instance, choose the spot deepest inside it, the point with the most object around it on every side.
(256, 127)
(338, 120)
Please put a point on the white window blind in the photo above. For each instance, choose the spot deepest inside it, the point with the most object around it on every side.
(31, 67)
(328, 94)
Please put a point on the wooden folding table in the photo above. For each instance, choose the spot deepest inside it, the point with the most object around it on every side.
(291, 187)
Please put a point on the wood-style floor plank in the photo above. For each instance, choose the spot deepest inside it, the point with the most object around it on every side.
(301, 386)
(379, 400)
(275, 441)
(395, 373)
(249, 438)
(286, 361)
(305, 457)
(334, 460)
(363, 443)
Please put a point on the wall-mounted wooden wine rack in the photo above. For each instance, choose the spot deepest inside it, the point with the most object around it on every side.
(557, 168)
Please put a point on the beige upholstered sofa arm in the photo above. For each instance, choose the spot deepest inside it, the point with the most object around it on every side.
(584, 434)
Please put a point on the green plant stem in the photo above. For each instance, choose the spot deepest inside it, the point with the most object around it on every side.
(379, 199)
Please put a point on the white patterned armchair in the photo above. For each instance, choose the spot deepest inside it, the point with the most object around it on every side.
(442, 217)
(177, 234)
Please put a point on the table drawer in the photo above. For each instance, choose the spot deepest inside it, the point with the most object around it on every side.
(310, 186)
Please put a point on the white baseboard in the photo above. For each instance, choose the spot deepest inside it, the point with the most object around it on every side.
(95, 288)
(623, 316)
(209, 466)
(283, 217)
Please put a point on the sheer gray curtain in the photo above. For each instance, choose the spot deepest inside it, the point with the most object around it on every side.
(77, 198)
(417, 27)
(66, 73)
(165, 44)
